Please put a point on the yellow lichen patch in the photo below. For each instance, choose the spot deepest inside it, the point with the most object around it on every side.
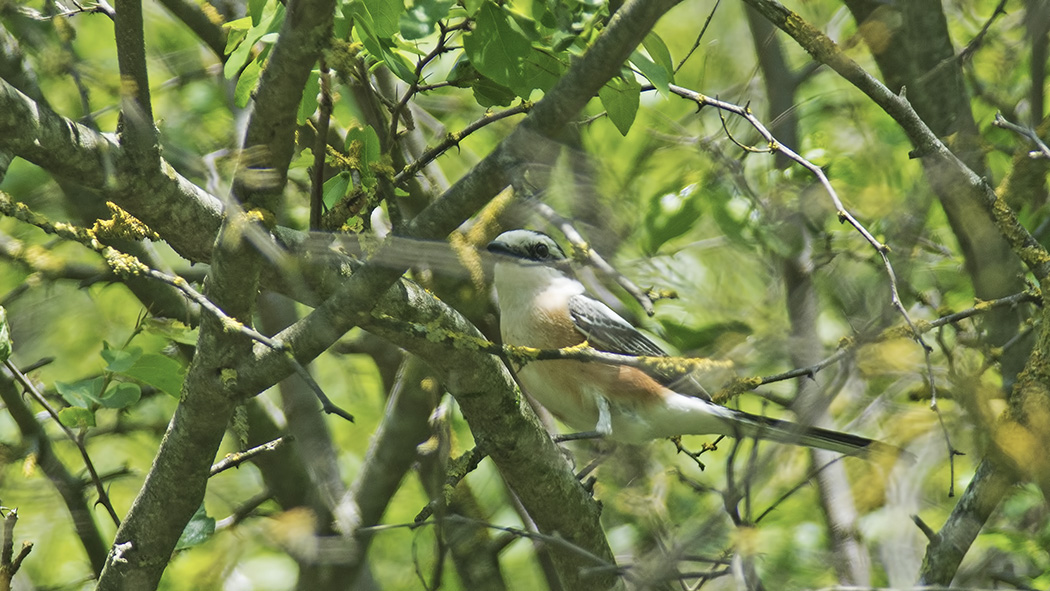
(685, 365)
(230, 324)
(430, 385)
(128, 86)
(469, 257)
(124, 265)
(488, 218)
(212, 14)
(29, 465)
(736, 387)
(228, 377)
(261, 216)
(122, 225)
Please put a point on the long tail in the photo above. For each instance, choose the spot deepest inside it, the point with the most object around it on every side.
(748, 425)
(685, 415)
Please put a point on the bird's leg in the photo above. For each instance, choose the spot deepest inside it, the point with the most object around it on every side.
(604, 426)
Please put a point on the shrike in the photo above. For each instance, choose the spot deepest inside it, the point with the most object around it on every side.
(542, 306)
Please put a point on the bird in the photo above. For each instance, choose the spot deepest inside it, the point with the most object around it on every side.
(543, 306)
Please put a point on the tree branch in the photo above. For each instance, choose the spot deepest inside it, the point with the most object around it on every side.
(136, 128)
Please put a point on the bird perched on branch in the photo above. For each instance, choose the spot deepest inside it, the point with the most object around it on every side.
(543, 306)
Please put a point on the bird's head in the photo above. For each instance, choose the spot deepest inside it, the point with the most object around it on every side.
(528, 246)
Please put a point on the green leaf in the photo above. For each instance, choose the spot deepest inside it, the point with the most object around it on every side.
(270, 23)
(5, 336)
(620, 98)
(241, 24)
(371, 151)
(75, 417)
(382, 16)
(336, 188)
(471, 6)
(660, 77)
(498, 47)
(657, 50)
(198, 530)
(463, 73)
(256, 9)
(381, 49)
(173, 330)
(308, 104)
(419, 19)
(119, 360)
(121, 395)
(246, 84)
(163, 373)
(670, 215)
(82, 394)
(490, 94)
(362, 143)
(542, 71)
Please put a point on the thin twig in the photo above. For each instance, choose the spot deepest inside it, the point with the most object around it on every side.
(31, 389)
(236, 459)
(317, 176)
(453, 139)
(1027, 132)
(696, 44)
(126, 265)
(439, 48)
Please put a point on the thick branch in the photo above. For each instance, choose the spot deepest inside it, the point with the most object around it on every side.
(184, 214)
(137, 131)
(175, 485)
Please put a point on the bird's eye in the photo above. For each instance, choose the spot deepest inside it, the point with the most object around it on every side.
(541, 251)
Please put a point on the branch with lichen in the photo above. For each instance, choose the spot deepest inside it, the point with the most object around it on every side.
(519, 355)
(125, 226)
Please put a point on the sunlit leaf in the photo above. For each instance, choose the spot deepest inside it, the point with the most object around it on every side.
(419, 19)
(83, 394)
(619, 96)
(163, 373)
(119, 360)
(249, 79)
(657, 74)
(5, 336)
(336, 188)
(121, 395)
(498, 47)
(75, 417)
(308, 104)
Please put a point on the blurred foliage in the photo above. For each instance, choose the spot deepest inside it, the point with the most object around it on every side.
(665, 192)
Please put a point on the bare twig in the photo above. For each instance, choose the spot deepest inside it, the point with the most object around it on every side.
(236, 459)
(453, 139)
(696, 44)
(1027, 132)
(317, 176)
(31, 389)
(9, 563)
(126, 265)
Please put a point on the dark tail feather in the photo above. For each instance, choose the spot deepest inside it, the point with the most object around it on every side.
(761, 427)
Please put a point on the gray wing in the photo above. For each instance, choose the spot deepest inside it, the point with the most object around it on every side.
(607, 331)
